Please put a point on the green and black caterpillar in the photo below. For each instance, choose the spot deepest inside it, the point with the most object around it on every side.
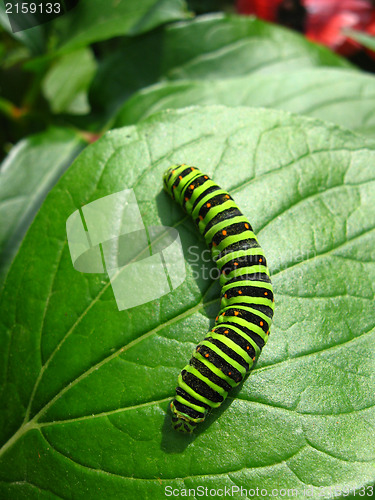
(227, 353)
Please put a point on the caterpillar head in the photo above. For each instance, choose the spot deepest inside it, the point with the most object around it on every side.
(181, 422)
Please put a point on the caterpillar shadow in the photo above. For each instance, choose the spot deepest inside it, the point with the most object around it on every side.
(198, 262)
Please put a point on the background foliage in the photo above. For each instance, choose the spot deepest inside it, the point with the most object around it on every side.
(90, 107)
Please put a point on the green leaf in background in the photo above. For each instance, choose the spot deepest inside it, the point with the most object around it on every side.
(33, 38)
(209, 47)
(26, 176)
(337, 95)
(66, 84)
(363, 38)
(86, 387)
(92, 20)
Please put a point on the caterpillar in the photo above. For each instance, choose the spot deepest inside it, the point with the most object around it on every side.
(227, 353)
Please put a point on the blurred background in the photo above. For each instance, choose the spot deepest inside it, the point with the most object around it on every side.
(46, 81)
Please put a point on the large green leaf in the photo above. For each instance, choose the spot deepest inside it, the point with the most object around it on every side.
(85, 387)
(337, 95)
(26, 176)
(92, 21)
(209, 47)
